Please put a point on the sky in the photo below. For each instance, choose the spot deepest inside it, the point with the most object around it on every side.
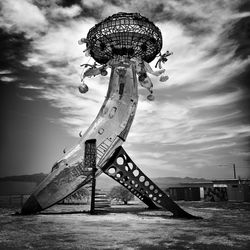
(199, 123)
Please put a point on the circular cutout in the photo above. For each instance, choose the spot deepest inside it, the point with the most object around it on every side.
(132, 182)
(142, 178)
(126, 168)
(160, 195)
(112, 170)
(125, 178)
(154, 198)
(146, 183)
(136, 185)
(156, 191)
(120, 161)
(151, 187)
(135, 172)
(119, 175)
(150, 196)
(131, 166)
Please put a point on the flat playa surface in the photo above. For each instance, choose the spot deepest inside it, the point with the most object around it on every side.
(225, 226)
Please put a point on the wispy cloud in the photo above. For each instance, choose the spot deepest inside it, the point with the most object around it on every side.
(64, 12)
(5, 72)
(7, 79)
(26, 98)
(22, 16)
(195, 114)
(31, 87)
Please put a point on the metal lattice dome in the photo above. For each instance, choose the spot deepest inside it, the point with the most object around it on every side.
(124, 34)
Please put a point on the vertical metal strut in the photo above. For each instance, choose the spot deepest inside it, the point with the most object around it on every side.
(90, 163)
(121, 168)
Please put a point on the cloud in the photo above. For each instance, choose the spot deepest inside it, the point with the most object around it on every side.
(93, 3)
(7, 79)
(30, 87)
(26, 98)
(218, 146)
(5, 72)
(196, 114)
(58, 49)
(66, 12)
(22, 16)
(216, 100)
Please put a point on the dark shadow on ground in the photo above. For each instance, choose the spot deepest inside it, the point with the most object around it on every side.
(122, 209)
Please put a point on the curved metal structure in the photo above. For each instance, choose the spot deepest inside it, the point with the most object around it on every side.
(124, 34)
(110, 129)
(125, 42)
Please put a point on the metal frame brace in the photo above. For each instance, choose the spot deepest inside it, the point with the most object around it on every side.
(121, 168)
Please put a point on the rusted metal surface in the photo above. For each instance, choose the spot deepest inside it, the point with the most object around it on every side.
(110, 129)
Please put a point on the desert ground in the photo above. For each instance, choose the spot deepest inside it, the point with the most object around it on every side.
(225, 225)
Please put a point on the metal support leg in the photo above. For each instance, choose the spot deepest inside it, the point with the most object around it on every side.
(121, 168)
(90, 162)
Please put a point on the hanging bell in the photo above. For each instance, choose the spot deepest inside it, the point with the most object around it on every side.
(150, 97)
(83, 88)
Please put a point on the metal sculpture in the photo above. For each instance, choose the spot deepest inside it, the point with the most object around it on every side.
(121, 168)
(126, 43)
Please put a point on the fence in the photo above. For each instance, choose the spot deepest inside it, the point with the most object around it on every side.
(13, 200)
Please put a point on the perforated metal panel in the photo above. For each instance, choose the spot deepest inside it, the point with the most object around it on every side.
(121, 168)
(124, 34)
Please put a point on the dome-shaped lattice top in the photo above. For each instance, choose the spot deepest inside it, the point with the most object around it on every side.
(127, 34)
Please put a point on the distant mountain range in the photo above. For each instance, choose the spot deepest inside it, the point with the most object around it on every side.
(37, 178)
(103, 182)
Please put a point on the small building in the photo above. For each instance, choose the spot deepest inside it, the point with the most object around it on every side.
(215, 190)
(15, 193)
(237, 190)
(185, 193)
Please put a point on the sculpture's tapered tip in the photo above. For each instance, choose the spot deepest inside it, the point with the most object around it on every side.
(31, 206)
(185, 215)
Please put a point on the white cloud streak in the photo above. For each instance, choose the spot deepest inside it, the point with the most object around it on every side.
(30, 87)
(8, 79)
(22, 16)
(188, 109)
(5, 72)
